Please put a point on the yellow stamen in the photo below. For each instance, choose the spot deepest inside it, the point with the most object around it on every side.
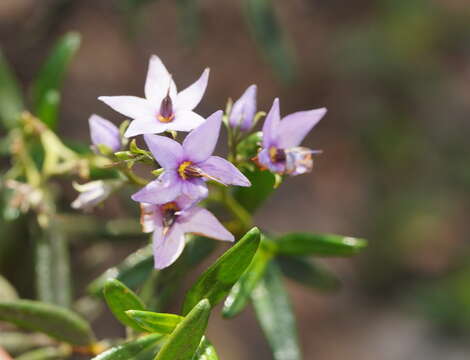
(182, 169)
(165, 119)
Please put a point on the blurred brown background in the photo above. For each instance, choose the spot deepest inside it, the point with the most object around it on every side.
(395, 76)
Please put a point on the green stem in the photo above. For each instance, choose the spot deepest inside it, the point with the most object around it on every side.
(243, 216)
(133, 178)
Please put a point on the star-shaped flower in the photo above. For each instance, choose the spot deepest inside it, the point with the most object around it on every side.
(188, 166)
(169, 223)
(163, 108)
(281, 152)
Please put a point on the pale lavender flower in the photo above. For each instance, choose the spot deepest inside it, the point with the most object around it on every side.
(188, 166)
(104, 132)
(163, 108)
(93, 193)
(244, 110)
(281, 152)
(169, 223)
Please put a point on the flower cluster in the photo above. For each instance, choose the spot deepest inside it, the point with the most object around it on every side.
(170, 202)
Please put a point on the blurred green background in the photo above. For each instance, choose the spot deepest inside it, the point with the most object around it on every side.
(395, 76)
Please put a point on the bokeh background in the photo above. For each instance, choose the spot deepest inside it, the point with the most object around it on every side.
(395, 76)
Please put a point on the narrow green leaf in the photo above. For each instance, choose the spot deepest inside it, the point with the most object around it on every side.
(11, 100)
(183, 343)
(308, 273)
(133, 271)
(52, 73)
(52, 264)
(155, 322)
(262, 185)
(46, 353)
(241, 291)
(319, 244)
(205, 351)
(274, 313)
(7, 291)
(120, 299)
(215, 283)
(49, 108)
(55, 321)
(130, 350)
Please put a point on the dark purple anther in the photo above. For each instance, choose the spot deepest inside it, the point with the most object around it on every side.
(166, 109)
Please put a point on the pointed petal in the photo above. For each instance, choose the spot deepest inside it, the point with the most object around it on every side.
(185, 120)
(200, 143)
(244, 109)
(158, 81)
(271, 125)
(194, 189)
(150, 217)
(190, 97)
(166, 151)
(145, 126)
(200, 221)
(165, 189)
(130, 106)
(104, 132)
(167, 248)
(296, 126)
(224, 171)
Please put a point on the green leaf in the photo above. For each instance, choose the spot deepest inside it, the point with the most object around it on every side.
(11, 100)
(130, 350)
(319, 244)
(248, 147)
(133, 271)
(308, 273)
(155, 322)
(46, 353)
(183, 343)
(48, 108)
(215, 283)
(205, 351)
(52, 73)
(55, 321)
(275, 316)
(7, 291)
(241, 291)
(262, 185)
(52, 265)
(120, 299)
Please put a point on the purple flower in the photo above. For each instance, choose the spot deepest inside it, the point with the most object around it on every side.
(93, 193)
(188, 166)
(169, 223)
(281, 152)
(104, 132)
(244, 110)
(163, 108)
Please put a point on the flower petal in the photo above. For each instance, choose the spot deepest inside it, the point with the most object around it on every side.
(296, 126)
(244, 109)
(145, 126)
(166, 151)
(158, 81)
(104, 132)
(190, 97)
(271, 125)
(200, 221)
(165, 189)
(194, 189)
(200, 143)
(150, 217)
(185, 120)
(265, 160)
(130, 106)
(223, 171)
(167, 247)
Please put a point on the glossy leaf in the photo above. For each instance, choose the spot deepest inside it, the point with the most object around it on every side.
(183, 343)
(132, 272)
(11, 100)
(55, 321)
(215, 283)
(120, 299)
(274, 313)
(319, 244)
(239, 296)
(131, 349)
(52, 73)
(262, 185)
(46, 353)
(205, 351)
(7, 291)
(308, 273)
(155, 322)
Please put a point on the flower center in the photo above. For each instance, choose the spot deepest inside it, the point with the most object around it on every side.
(277, 155)
(187, 170)
(166, 109)
(169, 214)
